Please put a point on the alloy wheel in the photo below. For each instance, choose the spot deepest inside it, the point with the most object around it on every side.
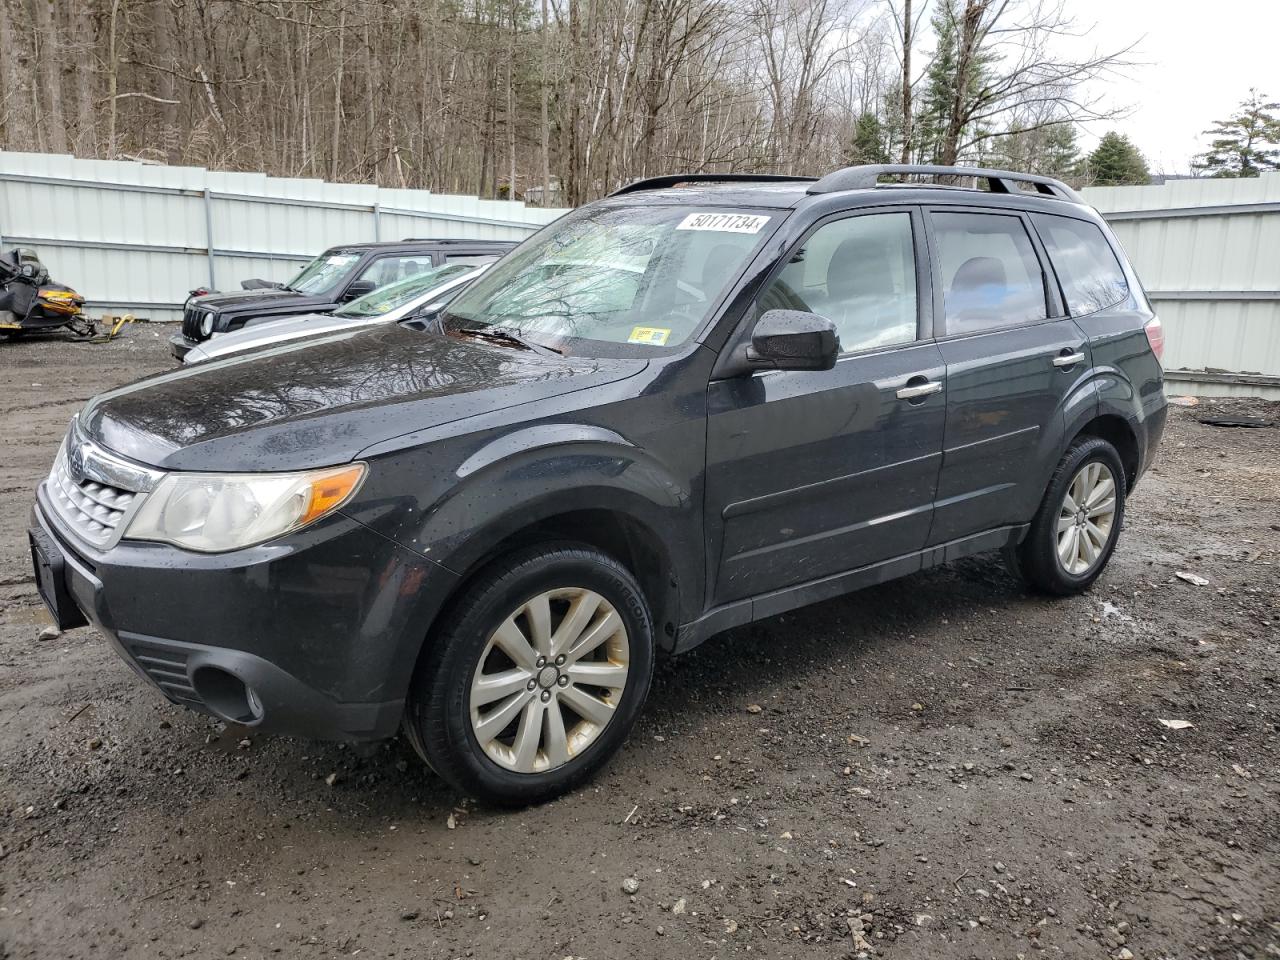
(549, 680)
(1086, 519)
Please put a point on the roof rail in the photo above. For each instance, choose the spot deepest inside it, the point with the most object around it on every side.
(448, 240)
(671, 180)
(998, 181)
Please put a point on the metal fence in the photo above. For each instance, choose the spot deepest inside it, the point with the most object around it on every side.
(1208, 252)
(137, 237)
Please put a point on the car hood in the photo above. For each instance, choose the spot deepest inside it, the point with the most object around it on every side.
(275, 331)
(235, 301)
(317, 403)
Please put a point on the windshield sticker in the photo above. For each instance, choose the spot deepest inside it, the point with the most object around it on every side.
(338, 259)
(653, 336)
(723, 222)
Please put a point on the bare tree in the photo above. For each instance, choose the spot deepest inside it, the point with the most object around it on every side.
(907, 26)
(486, 96)
(1015, 44)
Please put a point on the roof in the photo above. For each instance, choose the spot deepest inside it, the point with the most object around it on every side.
(427, 243)
(771, 190)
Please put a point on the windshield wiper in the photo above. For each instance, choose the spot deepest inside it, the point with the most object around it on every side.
(509, 337)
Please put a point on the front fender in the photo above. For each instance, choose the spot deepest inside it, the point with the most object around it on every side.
(510, 482)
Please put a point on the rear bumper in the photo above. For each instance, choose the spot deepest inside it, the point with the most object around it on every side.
(314, 636)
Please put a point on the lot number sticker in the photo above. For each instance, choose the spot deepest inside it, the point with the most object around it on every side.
(723, 222)
(653, 336)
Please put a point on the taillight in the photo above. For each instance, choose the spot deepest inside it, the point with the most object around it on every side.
(1155, 336)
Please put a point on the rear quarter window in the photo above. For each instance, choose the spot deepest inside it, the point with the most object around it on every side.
(1091, 276)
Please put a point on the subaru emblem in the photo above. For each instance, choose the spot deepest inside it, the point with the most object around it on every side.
(75, 463)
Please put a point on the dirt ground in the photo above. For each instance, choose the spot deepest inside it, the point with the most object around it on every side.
(941, 767)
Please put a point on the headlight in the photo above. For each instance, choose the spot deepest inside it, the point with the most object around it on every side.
(206, 324)
(213, 513)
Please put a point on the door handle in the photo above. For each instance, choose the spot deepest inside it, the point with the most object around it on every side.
(1068, 359)
(918, 390)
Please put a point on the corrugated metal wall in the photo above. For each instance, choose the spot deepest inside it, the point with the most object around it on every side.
(132, 236)
(1208, 252)
(137, 237)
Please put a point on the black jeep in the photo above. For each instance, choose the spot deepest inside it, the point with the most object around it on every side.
(336, 276)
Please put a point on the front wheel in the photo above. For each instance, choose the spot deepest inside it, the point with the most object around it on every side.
(1076, 528)
(536, 677)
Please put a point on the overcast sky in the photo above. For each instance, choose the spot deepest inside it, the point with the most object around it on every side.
(1197, 61)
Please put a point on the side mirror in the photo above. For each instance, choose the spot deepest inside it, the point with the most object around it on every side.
(359, 288)
(794, 340)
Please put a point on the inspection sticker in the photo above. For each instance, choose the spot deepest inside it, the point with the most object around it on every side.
(654, 336)
(724, 222)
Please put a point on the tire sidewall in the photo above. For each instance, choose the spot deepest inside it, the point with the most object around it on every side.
(444, 707)
(1044, 530)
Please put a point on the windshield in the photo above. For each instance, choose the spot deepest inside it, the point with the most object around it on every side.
(398, 294)
(322, 272)
(641, 278)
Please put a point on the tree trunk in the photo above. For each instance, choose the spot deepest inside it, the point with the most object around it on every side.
(336, 140)
(113, 70)
(908, 38)
(546, 124)
(54, 119)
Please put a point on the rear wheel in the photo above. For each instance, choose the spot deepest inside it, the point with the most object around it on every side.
(1076, 528)
(536, 677)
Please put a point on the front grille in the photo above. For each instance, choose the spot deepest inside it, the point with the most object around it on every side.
(191, 315)
(168, 669)
(93, 510)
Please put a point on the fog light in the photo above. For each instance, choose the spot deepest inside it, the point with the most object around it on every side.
(226, 695)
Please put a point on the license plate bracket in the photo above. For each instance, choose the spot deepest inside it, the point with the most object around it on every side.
(51, 581)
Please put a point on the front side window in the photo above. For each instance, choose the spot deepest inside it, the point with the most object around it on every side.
(395, 295)
(323, 273)
(991, 277)
(860, 274)
(1091, 276)
(615, 280)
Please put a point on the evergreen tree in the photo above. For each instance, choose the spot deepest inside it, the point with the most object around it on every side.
(891, 122)
(943, 80)
(940, 82)
(1246, 143)
(1061, 152)
(1116, 161)
(870, 144)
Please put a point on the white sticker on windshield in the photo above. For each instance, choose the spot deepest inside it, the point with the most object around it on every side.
(336, 260)
(724, 222)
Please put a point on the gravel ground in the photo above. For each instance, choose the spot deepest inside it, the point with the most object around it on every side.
(940, 767)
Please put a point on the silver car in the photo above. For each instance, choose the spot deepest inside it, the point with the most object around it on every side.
(414, 298)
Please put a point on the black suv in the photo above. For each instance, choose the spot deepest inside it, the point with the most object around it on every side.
(338, 275)
(686, 407)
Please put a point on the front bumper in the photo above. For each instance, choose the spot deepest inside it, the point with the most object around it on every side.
(180, 345)
(315, 635)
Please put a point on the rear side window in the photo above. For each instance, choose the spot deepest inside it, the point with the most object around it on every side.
(1091, 276)
(471, 257)
(390, 269)
(991, 277)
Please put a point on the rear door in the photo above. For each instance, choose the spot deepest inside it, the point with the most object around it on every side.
(812, 473)
(1012, 357)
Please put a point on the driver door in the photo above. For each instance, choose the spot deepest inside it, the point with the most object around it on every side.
(812, 473)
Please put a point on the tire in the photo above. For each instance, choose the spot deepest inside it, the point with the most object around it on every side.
(1052, 565)
(581, 612)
